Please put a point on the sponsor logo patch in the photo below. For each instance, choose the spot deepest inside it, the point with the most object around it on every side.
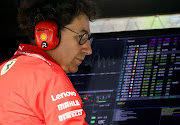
(68, 104)
(43, 36)
(70, 114)
(63, 95)
(7, 66)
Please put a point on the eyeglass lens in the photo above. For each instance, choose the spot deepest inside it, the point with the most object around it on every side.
(84, 38)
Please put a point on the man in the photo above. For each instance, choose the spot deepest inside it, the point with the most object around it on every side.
(34, 87)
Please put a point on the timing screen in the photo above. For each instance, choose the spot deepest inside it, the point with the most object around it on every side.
(131, 81)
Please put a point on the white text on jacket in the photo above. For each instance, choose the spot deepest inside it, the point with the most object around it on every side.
(70, 114)
(63, 95)
(68, 104)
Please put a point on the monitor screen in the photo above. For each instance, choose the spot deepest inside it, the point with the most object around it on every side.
(131, 78)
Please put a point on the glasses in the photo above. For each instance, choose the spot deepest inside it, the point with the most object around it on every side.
(83, 38)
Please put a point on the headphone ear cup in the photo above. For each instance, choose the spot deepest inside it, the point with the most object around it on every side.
(46, 35)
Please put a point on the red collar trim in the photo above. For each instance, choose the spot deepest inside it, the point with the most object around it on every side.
(28, 48)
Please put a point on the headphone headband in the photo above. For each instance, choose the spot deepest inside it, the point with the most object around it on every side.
(46, 31)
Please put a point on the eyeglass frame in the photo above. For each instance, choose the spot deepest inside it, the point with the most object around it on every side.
(90, 38)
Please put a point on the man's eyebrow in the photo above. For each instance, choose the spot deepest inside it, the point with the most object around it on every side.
(83, 30)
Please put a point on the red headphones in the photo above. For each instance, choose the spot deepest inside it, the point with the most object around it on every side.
(47, 35)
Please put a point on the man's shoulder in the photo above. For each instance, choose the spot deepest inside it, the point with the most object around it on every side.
(31, 68)
(39, 65)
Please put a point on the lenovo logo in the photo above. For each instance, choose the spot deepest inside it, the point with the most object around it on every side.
(63, 95)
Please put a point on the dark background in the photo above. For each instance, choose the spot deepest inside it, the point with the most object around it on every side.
(107, 8)
(10, 34)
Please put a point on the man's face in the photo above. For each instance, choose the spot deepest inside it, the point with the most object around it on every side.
(70, 54)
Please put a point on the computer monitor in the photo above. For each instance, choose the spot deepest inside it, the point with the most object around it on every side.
(131, 78)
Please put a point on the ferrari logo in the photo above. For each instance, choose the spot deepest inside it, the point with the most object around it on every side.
(7, 66)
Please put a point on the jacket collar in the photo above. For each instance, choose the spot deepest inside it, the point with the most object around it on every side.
(33, 49)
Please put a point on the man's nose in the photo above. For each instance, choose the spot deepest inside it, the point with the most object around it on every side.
(87, 48)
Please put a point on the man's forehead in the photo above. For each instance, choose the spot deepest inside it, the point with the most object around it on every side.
(85, 27)
(81, 24)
